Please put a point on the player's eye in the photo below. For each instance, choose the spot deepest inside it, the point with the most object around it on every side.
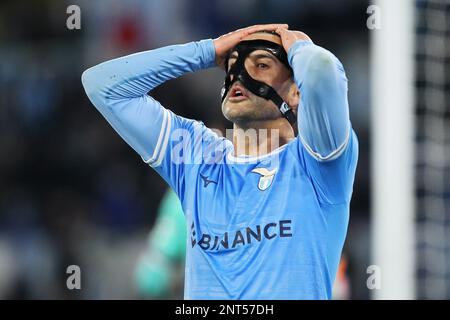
(262, 66)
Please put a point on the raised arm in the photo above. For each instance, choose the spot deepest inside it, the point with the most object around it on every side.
(323, 113)
(323, 118)
(118, 89)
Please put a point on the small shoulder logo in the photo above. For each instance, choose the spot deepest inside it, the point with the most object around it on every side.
(266, 177)
(206, 181)
(284, 108)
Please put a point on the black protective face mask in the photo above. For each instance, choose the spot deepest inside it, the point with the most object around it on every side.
(256, 87)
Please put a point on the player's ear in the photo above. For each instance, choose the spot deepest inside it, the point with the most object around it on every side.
(293, 96)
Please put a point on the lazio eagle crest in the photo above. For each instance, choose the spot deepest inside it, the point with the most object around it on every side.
(266, 178)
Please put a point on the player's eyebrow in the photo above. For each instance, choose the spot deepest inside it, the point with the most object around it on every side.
(234, 55)
(263, 55)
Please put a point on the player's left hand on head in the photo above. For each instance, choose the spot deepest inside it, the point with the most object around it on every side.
(289, 37)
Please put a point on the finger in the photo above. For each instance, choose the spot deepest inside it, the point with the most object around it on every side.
(269, 27)
(283, 33)
(274, 26)
(282, 29)
(262, 27)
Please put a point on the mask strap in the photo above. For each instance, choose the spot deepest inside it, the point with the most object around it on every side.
(257, 87)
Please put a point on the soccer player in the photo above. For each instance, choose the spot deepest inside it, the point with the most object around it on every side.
(266, 217)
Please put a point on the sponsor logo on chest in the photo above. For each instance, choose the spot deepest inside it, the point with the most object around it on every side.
(242, 237)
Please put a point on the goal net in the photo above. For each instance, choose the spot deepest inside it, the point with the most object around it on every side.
(432, 123)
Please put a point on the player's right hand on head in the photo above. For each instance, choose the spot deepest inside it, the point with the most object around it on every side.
(289, 37)
(225, 43)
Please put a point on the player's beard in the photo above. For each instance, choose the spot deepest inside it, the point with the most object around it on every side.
(250, 110)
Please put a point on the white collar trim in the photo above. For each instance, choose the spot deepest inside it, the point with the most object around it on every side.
(244, 158)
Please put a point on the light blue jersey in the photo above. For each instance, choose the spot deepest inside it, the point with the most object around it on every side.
(268, 227)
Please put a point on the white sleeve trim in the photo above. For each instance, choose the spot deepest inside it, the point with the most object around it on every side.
(165, 144)
(158, 150)
(333, 155)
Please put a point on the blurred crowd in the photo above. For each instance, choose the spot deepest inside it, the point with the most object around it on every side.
(71, 191)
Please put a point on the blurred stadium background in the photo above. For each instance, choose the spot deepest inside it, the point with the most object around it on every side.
(73, 193)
